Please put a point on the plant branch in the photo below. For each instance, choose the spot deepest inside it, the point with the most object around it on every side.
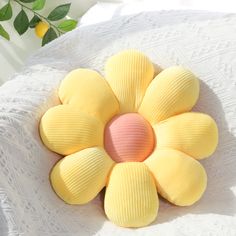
(39, 15)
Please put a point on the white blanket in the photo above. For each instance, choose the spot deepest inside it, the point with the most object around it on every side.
(204, 42)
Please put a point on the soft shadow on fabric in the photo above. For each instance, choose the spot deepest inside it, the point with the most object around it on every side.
(220, 168)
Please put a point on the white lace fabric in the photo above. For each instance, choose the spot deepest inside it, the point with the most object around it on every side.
(201, 41)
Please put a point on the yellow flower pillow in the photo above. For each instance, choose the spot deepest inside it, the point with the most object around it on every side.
(132, 133)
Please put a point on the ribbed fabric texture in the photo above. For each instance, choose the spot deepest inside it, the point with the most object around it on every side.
(137, 101)
(65, 130)
(173, 91)
(131, 199)
(180, 179)
(129, 74)
(79, 177)
(90, 92)
(195, 134)
(128, 137)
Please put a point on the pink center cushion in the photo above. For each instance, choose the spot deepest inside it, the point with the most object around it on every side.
(129, 137)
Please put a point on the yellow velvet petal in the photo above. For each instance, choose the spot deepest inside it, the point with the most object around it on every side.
(129, 74)
(179, 178)
(131, 198)
(90, 92)
(79, 177)
(195, 134)
(173, 91)
(65, 130)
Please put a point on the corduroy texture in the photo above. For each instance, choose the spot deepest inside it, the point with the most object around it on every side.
(65, 130)
(179, 178)
(193, 133)
(92, 104)
(79, 177)
(129, 74)
(131, 199)
(90, 92)
(173, 91)
(128, 137)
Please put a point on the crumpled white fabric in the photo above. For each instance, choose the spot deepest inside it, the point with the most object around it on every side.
(201, 41)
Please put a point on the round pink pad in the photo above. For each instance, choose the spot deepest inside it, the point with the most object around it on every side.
(128, 137)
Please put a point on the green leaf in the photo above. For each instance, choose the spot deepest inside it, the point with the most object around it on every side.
(34, 21)
(59, 12)
(27, 1)
(4, 33)
(6, 12)
(38, 5)
(67, 25)
(21, 23)
(49, 36)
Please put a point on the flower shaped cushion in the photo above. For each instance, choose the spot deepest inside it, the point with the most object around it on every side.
(131, 133)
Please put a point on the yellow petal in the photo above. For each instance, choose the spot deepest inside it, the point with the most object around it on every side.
(66, 130)
(129, 74)
(195, 134)
(131, 198)
(90, 92)
(79, 177)
(173, 91)
(180, 179)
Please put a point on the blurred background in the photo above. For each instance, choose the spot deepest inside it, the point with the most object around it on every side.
(13, 53)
